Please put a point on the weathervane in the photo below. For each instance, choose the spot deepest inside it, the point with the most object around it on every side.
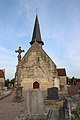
(36, 11)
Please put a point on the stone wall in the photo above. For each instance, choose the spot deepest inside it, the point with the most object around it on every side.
(62, 82)
(36, 65)
(2, 82)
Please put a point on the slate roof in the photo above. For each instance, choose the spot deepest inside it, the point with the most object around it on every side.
(61, 72)
(2, 74)
(36, 33)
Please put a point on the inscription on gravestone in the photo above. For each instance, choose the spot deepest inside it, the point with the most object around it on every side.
(52, 93)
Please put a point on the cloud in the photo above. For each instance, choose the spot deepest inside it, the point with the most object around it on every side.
(7, 61)
(60, 28)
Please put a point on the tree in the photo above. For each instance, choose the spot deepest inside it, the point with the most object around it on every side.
(78, 111)
(13, 81)
(7, 83)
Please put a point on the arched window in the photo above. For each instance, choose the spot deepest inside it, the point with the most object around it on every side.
(35, 85)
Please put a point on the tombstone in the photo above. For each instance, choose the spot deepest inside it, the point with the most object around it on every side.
(35, 105)
(67, 114)
(65, 109)
(57, 106)
(52, 93)
(65, 106)
(61, 113)
(72, 90)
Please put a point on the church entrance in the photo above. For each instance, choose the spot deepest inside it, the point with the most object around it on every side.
(35, 85)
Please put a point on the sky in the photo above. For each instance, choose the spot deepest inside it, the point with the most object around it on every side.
(60, 30)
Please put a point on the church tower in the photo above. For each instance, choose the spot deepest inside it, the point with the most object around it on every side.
(36, 33)
(36, 69)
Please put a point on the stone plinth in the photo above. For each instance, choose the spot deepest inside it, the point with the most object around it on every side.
(35, 105)
(53, 104)
(18, 94)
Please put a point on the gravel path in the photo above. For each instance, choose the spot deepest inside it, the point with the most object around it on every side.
(9, 109)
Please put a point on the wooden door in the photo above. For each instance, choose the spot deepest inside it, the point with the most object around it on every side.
(35, 85)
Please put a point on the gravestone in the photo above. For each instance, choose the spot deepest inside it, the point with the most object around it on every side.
(72, 90)
(35, 105)
(65, 106)
(52, 93)
(52, 102)
(64, 111)
(61, 113)
(57, 107)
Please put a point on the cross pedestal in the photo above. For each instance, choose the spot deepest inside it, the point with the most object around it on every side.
(18, 93)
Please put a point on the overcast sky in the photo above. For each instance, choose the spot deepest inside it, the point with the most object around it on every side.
(60, 30)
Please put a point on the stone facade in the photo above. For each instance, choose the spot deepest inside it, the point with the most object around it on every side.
(2, 82)
(37, 66)
(62, 78)
(36, 69)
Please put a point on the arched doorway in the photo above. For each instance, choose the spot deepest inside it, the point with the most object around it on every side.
(35, 85)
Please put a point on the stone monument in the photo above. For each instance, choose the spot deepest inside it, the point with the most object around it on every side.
(52, 93)
(57, 106)
(18, 96)
(35, 105)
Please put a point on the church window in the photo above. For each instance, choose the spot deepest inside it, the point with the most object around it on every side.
(38, 59)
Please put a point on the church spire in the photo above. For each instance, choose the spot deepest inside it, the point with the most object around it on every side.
(36, 33)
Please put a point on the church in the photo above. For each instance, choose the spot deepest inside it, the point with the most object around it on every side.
(36, 70)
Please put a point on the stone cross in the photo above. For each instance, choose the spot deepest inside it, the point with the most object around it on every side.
(19, 55)
(18, 95)
(19, 51)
